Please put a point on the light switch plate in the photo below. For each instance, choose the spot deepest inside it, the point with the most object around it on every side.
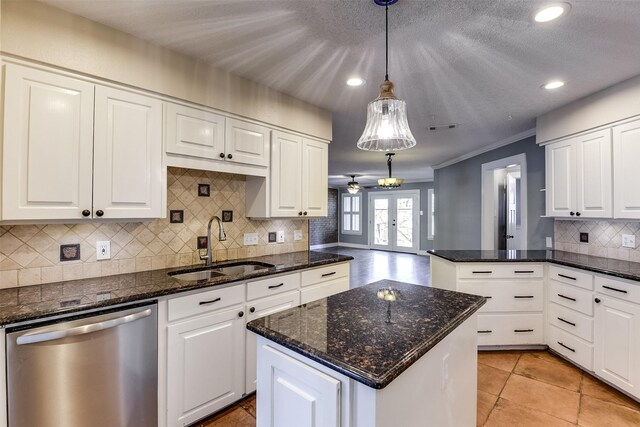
(280, 236)
(103, 250)
(629, 241)
(297, 235)
(250, 239)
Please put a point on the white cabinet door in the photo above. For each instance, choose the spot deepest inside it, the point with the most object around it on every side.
(617, 343)
(205, 363)
(247, 143)
(594, 193)
(286, 175)
(47, 145)
(194, 132)
(315, 157)
(292, 393)
(127, 155)
(626, 152)
(260, 308)
(561, 178)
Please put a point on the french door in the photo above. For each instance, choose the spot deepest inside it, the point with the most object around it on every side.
(394, 221)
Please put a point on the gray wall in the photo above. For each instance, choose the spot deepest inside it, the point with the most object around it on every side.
(363, 239)
(325, 229)
(458, 195)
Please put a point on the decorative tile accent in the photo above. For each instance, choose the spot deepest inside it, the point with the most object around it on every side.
(68, 252)
(227, 216)
(605, 238)
(176, 216)
(204, 190)
(30, 254)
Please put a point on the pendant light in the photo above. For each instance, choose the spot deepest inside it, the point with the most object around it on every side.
(387, 128)
(352, 186)
(390, 182)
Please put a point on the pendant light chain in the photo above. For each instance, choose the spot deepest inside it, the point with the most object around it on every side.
(386, 41)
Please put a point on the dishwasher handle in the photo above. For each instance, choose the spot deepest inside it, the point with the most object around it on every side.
(81, 330)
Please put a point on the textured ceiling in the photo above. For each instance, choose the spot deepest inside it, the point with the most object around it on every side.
(471, 62)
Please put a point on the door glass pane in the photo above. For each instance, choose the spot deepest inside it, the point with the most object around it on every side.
(381, 222)
(404, 229)
(355, 224)
(346, 222)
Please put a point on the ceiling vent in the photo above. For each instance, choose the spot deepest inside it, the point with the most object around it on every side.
(441, 127)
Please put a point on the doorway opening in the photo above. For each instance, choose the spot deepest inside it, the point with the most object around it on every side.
(394, 220)
(504, 204)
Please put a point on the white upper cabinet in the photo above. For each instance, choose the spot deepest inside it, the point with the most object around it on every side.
(626, 152)
(194, 132)
(47, 146)
(299, 168)
(579, 176)
(127, 166)
(72, 149)
(247, 143)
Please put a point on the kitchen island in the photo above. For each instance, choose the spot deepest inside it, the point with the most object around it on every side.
(384, 354)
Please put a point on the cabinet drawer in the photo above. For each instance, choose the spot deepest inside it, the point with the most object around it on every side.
(272, 286)
(571, 321)
(571, 347)
(506, 295)
(323, 274)
(624, 290)
(510, 329)
(571, 297)
(203, 302)
(571, 277)
(324, 290)
(499, 271)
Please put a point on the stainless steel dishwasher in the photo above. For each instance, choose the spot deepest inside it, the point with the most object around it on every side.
(94, 370)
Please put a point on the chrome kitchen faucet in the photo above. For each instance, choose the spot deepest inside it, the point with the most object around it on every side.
(222, 236)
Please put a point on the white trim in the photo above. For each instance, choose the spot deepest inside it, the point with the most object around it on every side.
(588, 131)
(324, 245)
(486, 232)
(431, 224)
(350, 196)
(510, 140)
(353, 245)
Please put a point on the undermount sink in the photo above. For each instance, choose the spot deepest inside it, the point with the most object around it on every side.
(234, 269)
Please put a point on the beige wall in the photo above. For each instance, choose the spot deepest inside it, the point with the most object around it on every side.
(618, 102)
(30, 254)
(40, 32)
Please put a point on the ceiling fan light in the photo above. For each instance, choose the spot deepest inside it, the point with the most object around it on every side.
(353, 190)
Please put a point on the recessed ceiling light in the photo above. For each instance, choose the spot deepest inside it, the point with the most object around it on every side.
(555, 84)
(355, 81)
(551, 12)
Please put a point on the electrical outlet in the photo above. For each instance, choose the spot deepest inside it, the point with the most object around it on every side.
(549, 242)
(629, 241)
(103, 249)
(297, 235)
(280, 236)
(250, 239)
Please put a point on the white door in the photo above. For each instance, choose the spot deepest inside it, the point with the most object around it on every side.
(394, 221)
(205, 362)
(514, 222)
(261, 308)
(47, 145)
(626, 152)
(315, 184)
(127, 167)
(561, 178)
(593, 169)
(286, 175)
(617, 343)
(194, 132)
(247, 143)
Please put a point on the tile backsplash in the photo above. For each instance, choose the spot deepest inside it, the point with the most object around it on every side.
(30, 254)
(605, 238)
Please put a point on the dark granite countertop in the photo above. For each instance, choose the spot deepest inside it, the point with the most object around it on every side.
(348, 331)
(613, 267)
(35, 302)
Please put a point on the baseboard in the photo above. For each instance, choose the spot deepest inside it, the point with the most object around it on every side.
(323, 245)
(353, 245)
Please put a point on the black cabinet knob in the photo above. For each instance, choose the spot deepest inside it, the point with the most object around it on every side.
(305, 212)
(86, 212)
(300, 213)
(578, 214)
(252, 309)
(99, 212)
(241, 314)
(222, 155)
(597, 300)
(229, 156)
(572, 213)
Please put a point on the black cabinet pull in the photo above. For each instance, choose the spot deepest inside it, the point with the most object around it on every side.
(572, 213)
(222, 155)
(566, 321)
(523, 296)
(485, 332)
(524, 271)
(276, 286)
(241, 314)
(210, 301)
(566, 297)
(229, 156)
(488, 297)
(523, 330)
(99, 212)
(597, 300)
(86, 212)
(568, 348)
(482, 272)
(578, 214)
(567, 277)
(614, 289)
(300, 213)
(252, 310)
(329, 274)
(304, 213)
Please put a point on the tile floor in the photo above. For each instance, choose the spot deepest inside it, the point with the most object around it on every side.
(516, 389)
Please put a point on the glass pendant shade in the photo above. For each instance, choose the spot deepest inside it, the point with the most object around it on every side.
(387, 128)
(390, 182)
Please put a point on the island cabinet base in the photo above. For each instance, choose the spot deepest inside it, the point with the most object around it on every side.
(438, 390)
